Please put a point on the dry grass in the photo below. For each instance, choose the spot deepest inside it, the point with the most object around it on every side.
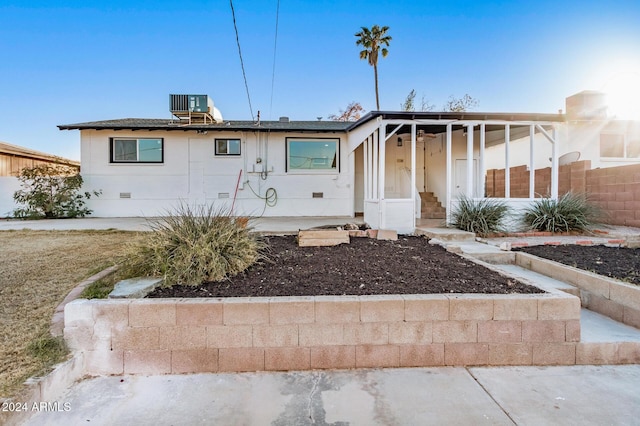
(37, 270)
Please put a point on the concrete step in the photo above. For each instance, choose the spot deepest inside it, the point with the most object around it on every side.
(598, 328)
(542, 281)
(446, 234)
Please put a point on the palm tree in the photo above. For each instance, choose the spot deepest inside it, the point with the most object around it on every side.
(372, 39)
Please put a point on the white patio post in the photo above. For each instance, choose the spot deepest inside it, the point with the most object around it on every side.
(367, 178)
(532, 164)
(374, 165)
(470, 179)
(507, 172)
(382, 137)
(554, 165)
(483, 172)
(448, 179)
(413, 171)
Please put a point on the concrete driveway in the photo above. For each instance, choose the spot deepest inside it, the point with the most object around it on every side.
(577, 395)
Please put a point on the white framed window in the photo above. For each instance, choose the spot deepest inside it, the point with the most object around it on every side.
(617, 145)
(227, 146)
(132, 150)
(311, 155)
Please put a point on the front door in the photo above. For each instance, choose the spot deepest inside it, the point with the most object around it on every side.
(461, 178)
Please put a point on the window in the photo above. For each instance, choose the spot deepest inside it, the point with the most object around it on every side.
(137, 150)
(227, 146)
(317, 155)
(617, 145)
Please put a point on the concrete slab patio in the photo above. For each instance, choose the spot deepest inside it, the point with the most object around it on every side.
(580, 395)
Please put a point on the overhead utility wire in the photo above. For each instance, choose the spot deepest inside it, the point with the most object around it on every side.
(246, 85)
(273, 72)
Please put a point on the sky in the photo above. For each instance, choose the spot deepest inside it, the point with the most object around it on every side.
(72, 61)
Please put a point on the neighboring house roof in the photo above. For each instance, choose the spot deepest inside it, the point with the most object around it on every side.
(170, 124)
(18, 151)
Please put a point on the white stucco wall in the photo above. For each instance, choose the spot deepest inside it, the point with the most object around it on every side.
(8, 185)
(193, 174)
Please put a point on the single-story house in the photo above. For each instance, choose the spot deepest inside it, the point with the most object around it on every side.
(12, 160)
(394, 168)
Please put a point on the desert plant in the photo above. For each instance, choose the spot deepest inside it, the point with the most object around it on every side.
(479, 216)
(190, 246)
(51, 191)
(571, 212)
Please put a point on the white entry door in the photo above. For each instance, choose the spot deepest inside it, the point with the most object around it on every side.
(460, 179)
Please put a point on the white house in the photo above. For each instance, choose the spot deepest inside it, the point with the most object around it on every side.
(394, 168)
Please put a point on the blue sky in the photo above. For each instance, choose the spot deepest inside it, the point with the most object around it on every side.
(64, 61)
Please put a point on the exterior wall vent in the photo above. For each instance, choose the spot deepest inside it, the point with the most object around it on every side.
(317, 195)
(125, 195)
(223, 195)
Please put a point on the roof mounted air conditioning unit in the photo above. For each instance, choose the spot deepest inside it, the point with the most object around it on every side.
(197, 109)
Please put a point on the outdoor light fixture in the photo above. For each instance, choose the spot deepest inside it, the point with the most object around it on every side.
(399, 141)
(420, 135)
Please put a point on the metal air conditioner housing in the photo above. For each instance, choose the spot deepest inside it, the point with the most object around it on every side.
(196, 109)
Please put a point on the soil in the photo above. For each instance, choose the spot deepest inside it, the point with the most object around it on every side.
(366, 266)
(614, 262)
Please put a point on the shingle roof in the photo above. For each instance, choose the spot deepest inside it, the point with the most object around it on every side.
(169, 124)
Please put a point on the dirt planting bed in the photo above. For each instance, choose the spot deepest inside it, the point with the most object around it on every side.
(614, 262)
(366, 266)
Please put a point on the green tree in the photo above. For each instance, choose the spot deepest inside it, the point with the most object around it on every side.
(51, 191)
(373, 40)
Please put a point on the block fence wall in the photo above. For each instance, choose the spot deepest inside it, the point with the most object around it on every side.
(172, 336)
(615, 190)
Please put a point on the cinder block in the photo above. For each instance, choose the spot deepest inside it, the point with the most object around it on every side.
(147, 362)
(292, 310)
(152, 313)
(333, 357)
(334, 309)
(114, 313)
(625, 294)
(554, 353)
(510, 354)
(431, 355)
(470, 307)
(104, 362)
(427, 307)
(410, 333)
(387, 234)
(137, 338)
(506, 308)
(320, 334)
(230, 336)
(377, 356)
(500, 331)
(593, 283)
(194, 361)
(240, 359)
(242, 311)
(286, 359)
(602, 305)
(543, 331)
(572, 331)
(381, 308)
(184, 337)
(369, 333)
(631, 317)
(79, 313)
(461, 354)
(79, 338)
(559, 308)
(455, 331)
(596, 353)
(271, 336)
(199, 312)
(629, 353)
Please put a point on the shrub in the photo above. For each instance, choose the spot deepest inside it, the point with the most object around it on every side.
(51, 191)
(192, 246)
(571, 212)
(481, 217)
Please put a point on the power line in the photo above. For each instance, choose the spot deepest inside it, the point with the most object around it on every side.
(275, 45)
(244, 74)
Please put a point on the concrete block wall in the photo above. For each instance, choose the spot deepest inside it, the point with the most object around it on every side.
(616, 190)
(299, 333)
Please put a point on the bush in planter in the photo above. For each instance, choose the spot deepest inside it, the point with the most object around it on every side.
(191, 246)
(482, 217)
(571, 212)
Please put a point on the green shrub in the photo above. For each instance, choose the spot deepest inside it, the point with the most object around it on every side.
(571, 212)
(479, 216)
(48, 349)
(192, 246)
(51, 191)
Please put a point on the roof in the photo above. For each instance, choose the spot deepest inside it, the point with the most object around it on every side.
(18, 151)
(242, 126)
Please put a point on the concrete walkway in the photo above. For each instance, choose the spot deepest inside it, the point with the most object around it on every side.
(580, 395)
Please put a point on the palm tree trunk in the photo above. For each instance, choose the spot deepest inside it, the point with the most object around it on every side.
(375, 73)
